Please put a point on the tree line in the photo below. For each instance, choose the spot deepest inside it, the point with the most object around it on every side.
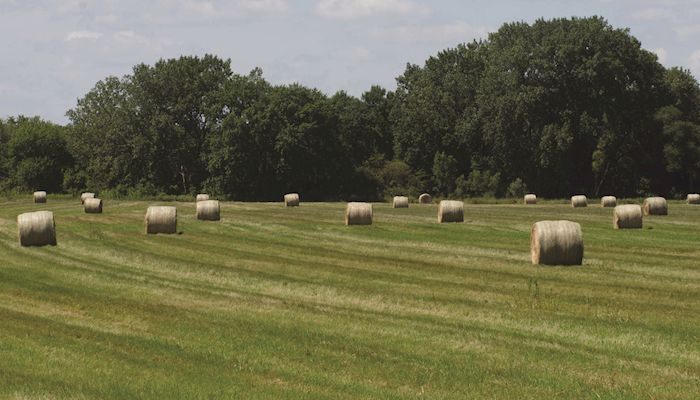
(555, 107)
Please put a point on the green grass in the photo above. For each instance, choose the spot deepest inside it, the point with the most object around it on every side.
(290, 303)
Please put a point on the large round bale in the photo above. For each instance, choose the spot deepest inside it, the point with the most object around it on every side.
(93, 205)
(291, 200)
(400, 202)
(655, 206)
(202, 197)
(693, 198)
(358, 214)
(608, 201)
(161, 219)
(86, 195)
(425, 198)
(208, 210)
(36, 228)
(40, 197)
(450, 211)
(579, 201)
(556, 243)
(530, 199)
(628, 216)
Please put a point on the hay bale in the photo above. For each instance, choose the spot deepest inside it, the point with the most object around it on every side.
(358, 214)
(400, 202)
(208, 210)
(291, 200)
(450, 211)
(36, 228)
(530, 199)
(628, 216)
(93, 205)
(655, 206)
(40, 197)
(693, 198)
(202, 197)
(425, 198)
(579, 201)
(161, 219)
(86, 195)
(608, 201)
(556, 243)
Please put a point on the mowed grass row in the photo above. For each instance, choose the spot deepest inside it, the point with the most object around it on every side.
(275, 302)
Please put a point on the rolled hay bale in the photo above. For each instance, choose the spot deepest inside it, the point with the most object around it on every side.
(36, 228)
(40, 197)
(655, 206)
(450, 211)
(358, 214)
(93, 205)
(530, 199)
(291, 200)
(693, 198)
(556, 243)
(202, 197)
(579, 201)
(161, 219)
(425, 198)
(208, 210)
(400, 202)
(608, 201)
(86, 195)
(628, 216)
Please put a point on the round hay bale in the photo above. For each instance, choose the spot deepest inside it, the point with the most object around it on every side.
(579, 201)
(86, 195)
(93, 205)
(36, 228)
(556, 243)
(530, 199)
(608, 201)
(450, 211)
(202, 197)
(425, 198)
(693, 198)
(40, 197)
(655, 206)
(291, 200)
(208, 210)
(628, 216)
(400, 202)
(161, 219)
(358, 214)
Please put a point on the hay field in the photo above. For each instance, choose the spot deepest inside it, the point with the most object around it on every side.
(289, 303)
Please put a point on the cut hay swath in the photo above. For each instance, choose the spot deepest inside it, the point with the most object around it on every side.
(579, 201)
(655, 206)
(608, 201)
(693, 198)
(93, 205)
(202, 197)
(358, 214)
(628, 216)
(530, 199)
(291, 200)
(400, 202)
(450, 211)
(425, 198)
(86, 195)
(36, 228)
(161, 219)
(556, 243)
(208, 210)
(40, 197)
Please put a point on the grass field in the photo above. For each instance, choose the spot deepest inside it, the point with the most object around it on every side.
(290, 303)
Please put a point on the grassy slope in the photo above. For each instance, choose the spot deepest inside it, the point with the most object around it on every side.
(289, 303)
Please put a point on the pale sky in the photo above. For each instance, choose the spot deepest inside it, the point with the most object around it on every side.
(53, 52)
